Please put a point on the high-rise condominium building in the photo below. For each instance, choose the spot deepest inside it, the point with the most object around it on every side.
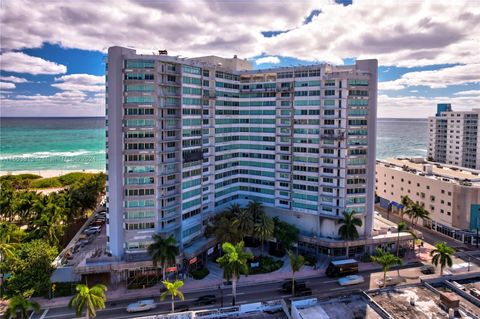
(454, 137)
(189, 137)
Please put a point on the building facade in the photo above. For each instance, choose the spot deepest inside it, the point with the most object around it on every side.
(454, 137)
(187, 138)
(451, 194)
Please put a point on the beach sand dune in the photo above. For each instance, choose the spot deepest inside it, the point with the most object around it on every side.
(49, 173)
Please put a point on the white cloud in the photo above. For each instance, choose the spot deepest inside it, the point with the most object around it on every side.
(67, 103)
(411, 34)
(80, 82)
(6, 86)
(469, 92)
(441, 78)
(268, 59)
(13, 79)
(19, 62)
(421, 107)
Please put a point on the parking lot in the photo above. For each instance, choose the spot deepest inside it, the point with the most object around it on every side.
(91, 241)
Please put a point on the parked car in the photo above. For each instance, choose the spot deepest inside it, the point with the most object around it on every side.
(427, 269)
(142, 305)
(391, 281)
(205, 300)
(351, 280)
(92, 230)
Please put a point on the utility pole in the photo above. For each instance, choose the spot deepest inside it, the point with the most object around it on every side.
(221, 295)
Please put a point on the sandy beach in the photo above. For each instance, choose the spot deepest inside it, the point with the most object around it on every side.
(49, 173)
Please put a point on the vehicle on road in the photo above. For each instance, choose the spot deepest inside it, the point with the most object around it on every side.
(338, 268)
(181, 308)
(427, 269)
(287, 285)
(391, 281)
(205, 300)
(351, 280)
(142, 305)
(458, 285)
(303, 292)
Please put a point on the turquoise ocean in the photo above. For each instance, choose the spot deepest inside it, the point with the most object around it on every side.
(35, 144)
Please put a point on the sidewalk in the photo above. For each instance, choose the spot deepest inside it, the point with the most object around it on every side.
(214, 280)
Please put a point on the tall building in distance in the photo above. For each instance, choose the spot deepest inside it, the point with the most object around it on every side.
(454, 137)
(187, 138)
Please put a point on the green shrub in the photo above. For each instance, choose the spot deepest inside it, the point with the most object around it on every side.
(46, 183)
(199, 273)
(267, 264)
(310, 261)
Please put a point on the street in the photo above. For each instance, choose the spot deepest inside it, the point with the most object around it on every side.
(430, 236)
(321, 286)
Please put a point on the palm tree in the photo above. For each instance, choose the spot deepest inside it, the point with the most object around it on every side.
(173, 290)
(163, 251)
(10, 236)
(234, 262)
(226, 230)
(89, 298)
(296, 263)
(234, 209)
(264, 228)
(348, 230)
(18, 307)
(421, 213)
(386, 260)
(442, 254)
(406, 202)
(400, 228)
(256, 210)
(245, 222)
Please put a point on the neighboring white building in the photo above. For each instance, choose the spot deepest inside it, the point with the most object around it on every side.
(454, 137)
(450, 193)
(188, 137)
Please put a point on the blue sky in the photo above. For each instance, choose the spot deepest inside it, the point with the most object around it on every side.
(52, 63)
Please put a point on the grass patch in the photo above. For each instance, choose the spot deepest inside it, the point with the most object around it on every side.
(49, 182)
(26, 181)
(199, 273)
(72, 178)
(19, 177)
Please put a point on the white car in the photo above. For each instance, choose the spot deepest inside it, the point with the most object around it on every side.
(142, 305)
(92, 230)
(351, 280)
(391, 281)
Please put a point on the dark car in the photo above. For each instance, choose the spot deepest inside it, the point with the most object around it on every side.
(427, 269)
(287, 285)
(205, 300)
(181, 308)
(303, 292)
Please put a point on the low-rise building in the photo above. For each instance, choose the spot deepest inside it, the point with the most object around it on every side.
(450, 193)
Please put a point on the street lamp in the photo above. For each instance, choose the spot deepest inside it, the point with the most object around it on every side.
(221, 295)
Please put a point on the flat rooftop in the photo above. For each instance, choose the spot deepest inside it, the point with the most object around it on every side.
(353, 306)
(414, 302)
(440, 171)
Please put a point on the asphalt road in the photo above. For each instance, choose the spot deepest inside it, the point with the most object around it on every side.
(321, 286)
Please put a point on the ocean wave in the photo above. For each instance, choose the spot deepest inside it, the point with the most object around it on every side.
(43, 155)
